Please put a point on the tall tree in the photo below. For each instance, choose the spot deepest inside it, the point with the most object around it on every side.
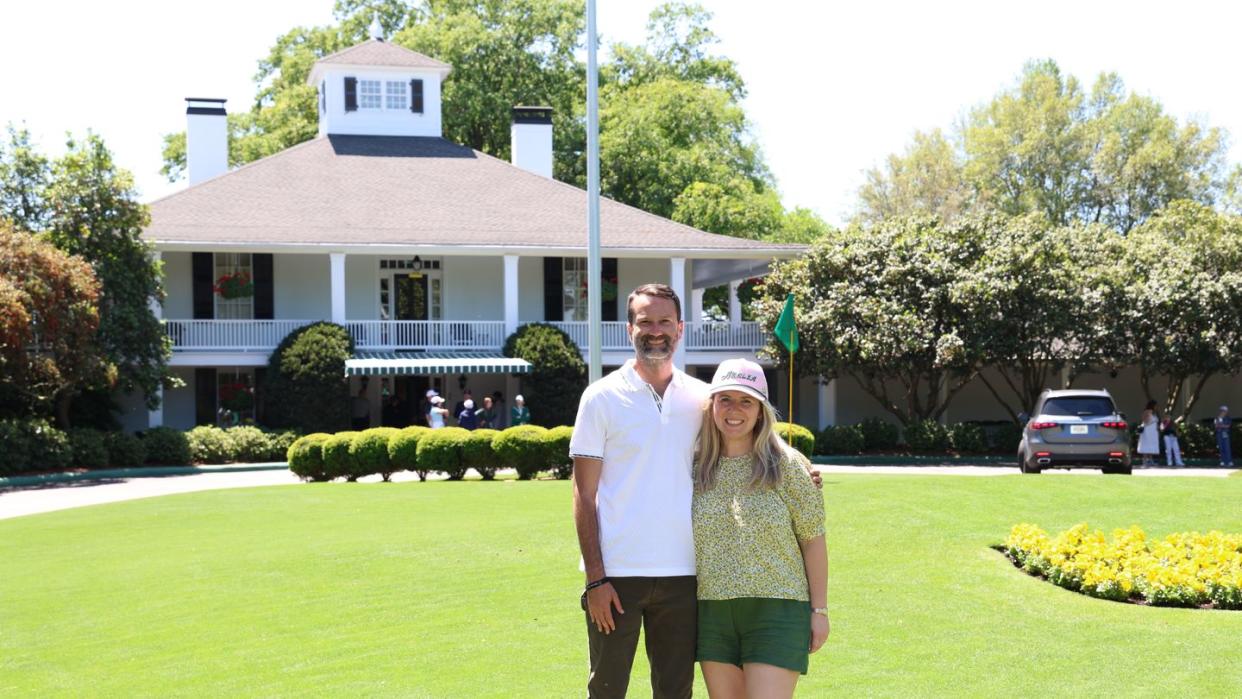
(927, 179)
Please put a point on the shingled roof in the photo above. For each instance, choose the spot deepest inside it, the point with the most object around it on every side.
(389, 190)
(377, 52)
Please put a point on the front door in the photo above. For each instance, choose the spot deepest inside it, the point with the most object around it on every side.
(412, 302)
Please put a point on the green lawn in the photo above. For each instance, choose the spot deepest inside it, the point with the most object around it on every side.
(471, 589)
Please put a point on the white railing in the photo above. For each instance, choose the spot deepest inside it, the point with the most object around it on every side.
(427, 334)
(612, 334)
(746, 336)
(698, 336)
(230, 335)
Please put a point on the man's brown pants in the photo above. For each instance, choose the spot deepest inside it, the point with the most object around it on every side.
(666, 609)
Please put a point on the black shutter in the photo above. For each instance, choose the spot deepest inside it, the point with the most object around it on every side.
(416, 96)
(202, 269)
(204, 396)
(553, 305)
(264, 305)
(351, 94)
(608, 270)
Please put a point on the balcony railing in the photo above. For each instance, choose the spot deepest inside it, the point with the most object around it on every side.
(264, 335)
(427, 334)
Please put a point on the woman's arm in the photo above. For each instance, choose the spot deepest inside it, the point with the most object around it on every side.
(815, 559)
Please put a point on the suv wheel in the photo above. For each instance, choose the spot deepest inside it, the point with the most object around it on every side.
(1025, 465)
(1117, 470)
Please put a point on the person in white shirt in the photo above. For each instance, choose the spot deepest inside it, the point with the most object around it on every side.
(435, 418)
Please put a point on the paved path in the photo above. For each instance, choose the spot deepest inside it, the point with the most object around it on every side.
(17, 502)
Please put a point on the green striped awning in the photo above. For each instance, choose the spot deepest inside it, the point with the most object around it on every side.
(412, 363)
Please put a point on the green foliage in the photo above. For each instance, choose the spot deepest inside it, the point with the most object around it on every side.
(88, 448)
(1005, 438)
(336, 459)
(368, 453)
(802, 438)
(477, 453)
(926, 436)
(403, 450)
(278, 444)
(305, 457)
(211, 445)
(48, 323)
(557, 442)
(558, 375)
(440, 450)
(306, 379)
(840, 439)
(167, 446)
(249, 444)
(879, 435)
(33, 445)
(967, 438)
(928, 179)
(1198, 440)
(125, 450)
(523, 449)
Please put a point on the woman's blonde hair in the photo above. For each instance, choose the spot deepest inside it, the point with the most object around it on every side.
(768, 450)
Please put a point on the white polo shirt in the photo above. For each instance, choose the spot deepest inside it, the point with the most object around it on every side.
(645, 491)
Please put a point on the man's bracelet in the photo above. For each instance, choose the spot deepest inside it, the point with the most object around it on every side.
(592, 585)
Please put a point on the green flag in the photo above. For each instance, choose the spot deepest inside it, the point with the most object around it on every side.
(786, 327)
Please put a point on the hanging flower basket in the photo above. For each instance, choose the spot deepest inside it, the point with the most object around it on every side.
(608, 289)
(236, 397)
(237, 285)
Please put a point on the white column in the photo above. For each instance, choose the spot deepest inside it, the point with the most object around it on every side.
(155, 418)
(677, 280)
(511, 296)
(337, 262)
(157, 308)
(735, 305)
(696, 305)
(827, 402)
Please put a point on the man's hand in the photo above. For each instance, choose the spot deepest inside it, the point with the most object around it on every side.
(816, 478)
(600, 602)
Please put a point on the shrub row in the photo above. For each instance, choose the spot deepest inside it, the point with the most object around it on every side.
(528, 449)
(34, 445)
(927, 437)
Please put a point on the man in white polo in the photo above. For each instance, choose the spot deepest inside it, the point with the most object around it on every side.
(633, 449)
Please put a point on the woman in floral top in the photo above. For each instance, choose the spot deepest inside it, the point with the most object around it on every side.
(761, 561)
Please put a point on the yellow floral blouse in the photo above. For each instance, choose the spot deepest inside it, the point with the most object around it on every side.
(746, 541)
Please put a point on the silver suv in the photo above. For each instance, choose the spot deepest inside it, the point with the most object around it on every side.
(1075, 428)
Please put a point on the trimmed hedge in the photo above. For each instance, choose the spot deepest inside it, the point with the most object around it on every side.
(803, 439)
(368, 453)
(305, 384)
(125, 450)
(33, 445)
(557, 442)
(440, 450)
(840, 439)
(89, 448)
(879, 435)
(927, 436)
(967, 438)
(167, 447)
(305, 457)
(523, 449)
(558, 375)
(248, 444)
(403, 450)
(336, 460)
(477, 453)
(210, 445)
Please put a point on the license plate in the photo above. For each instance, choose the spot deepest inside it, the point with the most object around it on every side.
(1078, 429)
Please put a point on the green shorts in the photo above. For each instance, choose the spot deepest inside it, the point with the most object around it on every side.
(755, 630)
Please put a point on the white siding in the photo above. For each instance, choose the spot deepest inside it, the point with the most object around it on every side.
(474, 288)
(302, 287)
(361, 287)
(179, 285)
(530, 289)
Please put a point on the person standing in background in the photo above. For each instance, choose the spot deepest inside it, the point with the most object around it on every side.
(1149, 434)
(520, 415)
(1172, 447)
(1222, 425)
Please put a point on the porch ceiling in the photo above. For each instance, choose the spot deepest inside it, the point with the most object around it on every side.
(423, 363)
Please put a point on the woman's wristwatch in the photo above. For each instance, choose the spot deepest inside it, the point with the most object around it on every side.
(820, 610)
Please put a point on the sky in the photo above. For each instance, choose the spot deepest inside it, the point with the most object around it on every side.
(833, 87)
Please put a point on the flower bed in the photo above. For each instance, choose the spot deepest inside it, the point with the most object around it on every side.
(1180, 570)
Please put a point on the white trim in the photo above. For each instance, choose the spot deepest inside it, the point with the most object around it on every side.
(218, 359)
(472, 250)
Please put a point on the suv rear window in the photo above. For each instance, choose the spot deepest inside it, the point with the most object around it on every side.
(1080, 406)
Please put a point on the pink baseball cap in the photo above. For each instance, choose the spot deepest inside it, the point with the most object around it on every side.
(740, 375)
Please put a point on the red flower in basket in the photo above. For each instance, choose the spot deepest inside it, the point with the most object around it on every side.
(237, 285)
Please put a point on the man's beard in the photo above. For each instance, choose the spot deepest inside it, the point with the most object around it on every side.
(647, 352)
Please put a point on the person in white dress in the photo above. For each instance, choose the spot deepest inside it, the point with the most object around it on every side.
(1149, 434)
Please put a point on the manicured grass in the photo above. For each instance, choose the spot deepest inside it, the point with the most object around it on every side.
(471, 589)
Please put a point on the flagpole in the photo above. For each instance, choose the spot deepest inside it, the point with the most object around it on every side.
(791, 374)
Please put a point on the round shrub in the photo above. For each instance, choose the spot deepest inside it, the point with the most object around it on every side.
(305, 387)
(403, 450)
(210, 445)
(88, 448)
(522, 448)
(557, 443)
(927, 436)
(1198, 440)
(336, 459)
(840, 439)
(1004, 438)
(477, 453)
(305, 457)
(250, 444)
(558, 375)
(440, 450)
(278, 444)
(967, 438)
(802, 439)
(878, 435)
(167, 446)
(124, 450)
(369, 452)
(33, 445)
